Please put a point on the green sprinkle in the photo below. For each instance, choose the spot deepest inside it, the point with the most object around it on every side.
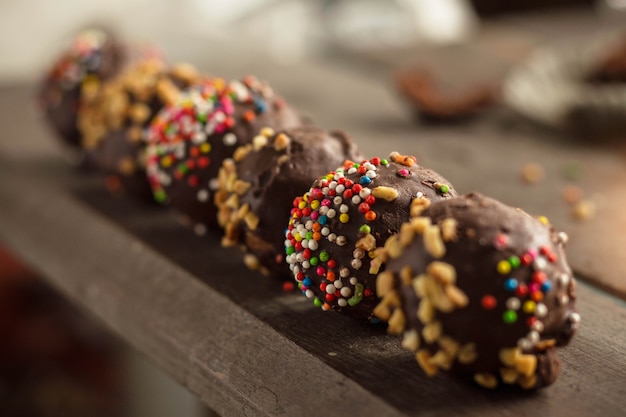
(365, 229)
(509, 317)
(444, 188)
(290, 250)
(317, 302)
(314, 261)
(384, 162)
(324, 256)
(160, 196)
(514, 262)
(202, 117)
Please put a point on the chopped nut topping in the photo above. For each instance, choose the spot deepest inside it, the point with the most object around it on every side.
(423, 359)
(486, 380)
(385, 193)
(411, 340)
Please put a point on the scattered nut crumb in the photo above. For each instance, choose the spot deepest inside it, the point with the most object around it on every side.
(572, 194)
(584, 210)
(532, 173)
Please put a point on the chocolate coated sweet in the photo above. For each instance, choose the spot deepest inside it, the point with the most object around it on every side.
(188, 141)
(94, 57)
(113, 124)
(480, 289)
(337, 226)
(256, 188)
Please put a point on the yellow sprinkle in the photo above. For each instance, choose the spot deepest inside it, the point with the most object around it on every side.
(544, 220)
(504, 267)
(302, 204)
(166, 162)
(344, 218)
(372, 254)
(528, 307)
(205, 147)
(298, 237)
(315, 204)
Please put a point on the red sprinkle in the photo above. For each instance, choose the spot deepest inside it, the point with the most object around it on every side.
(488, 302)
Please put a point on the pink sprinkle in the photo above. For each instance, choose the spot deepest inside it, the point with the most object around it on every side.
(534, 287)
(314, 215)
(326, 202)
(321, 271)
(404, 172)
(533, 253)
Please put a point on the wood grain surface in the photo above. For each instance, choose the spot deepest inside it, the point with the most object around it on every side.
(245, 346)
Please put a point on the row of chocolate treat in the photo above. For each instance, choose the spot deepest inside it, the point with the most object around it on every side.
(475, 288)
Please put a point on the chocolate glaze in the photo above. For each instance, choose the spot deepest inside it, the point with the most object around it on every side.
(518, 289)
(112, 125)
(183, 165)
(344, 277)
(273, 173)
(94, 57)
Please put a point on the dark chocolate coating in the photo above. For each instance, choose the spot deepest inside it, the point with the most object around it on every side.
(94, 57)
(112, 125)
(516, 291)
(188, 141)
(354, 218)
(271, 175)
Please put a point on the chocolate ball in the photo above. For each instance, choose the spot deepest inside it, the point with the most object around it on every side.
(113, 123)
(481, 290)
(188, 140)
(337, 226)
(256, 188)
(77, 75)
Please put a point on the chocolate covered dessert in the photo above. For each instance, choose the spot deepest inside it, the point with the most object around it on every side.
(76, 76)
(480, 290)
(113, 124)
(337, 226)
(256, 188)
(188, 140)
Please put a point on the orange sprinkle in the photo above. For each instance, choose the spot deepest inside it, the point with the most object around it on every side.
(537, 296)
(317, 227)
(194, 151)
(249, 116)
(330, 275)
(370, 215)
(317, 236)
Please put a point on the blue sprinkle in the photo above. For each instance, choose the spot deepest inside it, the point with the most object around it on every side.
(546, 286)
(307, 282)
(510, 284)
(365, 180)
(260, 104)
(322, 220)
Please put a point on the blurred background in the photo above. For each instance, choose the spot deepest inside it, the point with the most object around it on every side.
(56, 362)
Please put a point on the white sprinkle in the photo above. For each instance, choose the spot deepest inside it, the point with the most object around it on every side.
(364, 193)
(538, 326)
(541, 310)
(351, 170)
(330, 289)
(332, 237)
(370, 174)
(331, 213)
(313, 245)
(323, 210)
(533, 336)
(305, 244)
(354, 281)
(300, 257)
(513, 303)
(564, 279)
(338, 283)
(574, 318)
(340, 188)
(229, 139)
(309, 224)
(356, 199)
(306, 264)
(213, 184)
(199, 229)
(325, 231)
(309, 293)
(344, 208)
(337, 200)
(358, 253)
(563, 299)
(540, 263)
(203, 195)
(419, 194)
(341, 240)
(356, 263)
(344, 272)
(199, 137)
(332, 185)
(342, 302)
(524, 344)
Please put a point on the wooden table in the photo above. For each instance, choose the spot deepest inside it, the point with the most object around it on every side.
(246, 347)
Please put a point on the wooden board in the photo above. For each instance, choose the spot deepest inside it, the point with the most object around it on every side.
(236, 339)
